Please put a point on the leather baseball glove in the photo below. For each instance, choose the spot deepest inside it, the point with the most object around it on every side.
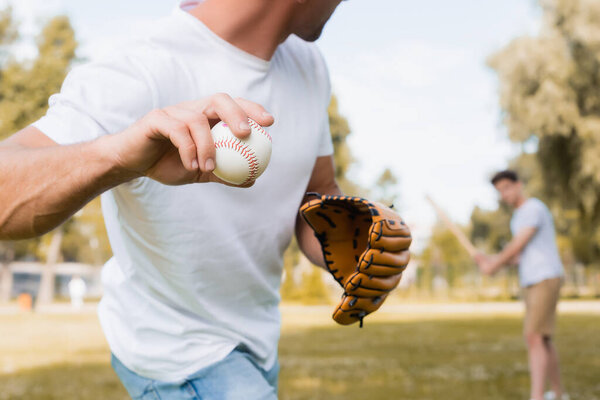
(365, 246)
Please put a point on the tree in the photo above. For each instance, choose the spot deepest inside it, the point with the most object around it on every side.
(490, 229)
(8, 30)
(311, 288)
(444, 257)
(26, 86)
(342, 155)
(386, 188)
(550, 96)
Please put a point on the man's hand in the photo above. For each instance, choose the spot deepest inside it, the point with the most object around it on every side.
(490, 264)
(485, 263)
(174, 145)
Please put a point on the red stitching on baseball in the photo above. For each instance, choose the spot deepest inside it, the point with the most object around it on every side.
(245, 151)
(260, 129)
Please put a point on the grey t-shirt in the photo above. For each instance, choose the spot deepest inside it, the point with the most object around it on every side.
(539, 259)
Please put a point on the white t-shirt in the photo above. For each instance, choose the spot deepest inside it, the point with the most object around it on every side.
(539, 259)
(197, 268)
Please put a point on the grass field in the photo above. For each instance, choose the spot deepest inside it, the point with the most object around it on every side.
(65, 357)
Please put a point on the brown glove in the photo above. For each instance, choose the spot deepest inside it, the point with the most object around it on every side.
(365, 246)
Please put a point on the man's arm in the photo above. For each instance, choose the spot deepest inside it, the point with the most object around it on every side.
(42, 184)
(491, 264)
(322, 181)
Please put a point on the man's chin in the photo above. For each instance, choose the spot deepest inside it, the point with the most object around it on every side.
(312, 36)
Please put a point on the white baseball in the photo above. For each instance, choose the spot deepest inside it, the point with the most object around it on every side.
(241, 161)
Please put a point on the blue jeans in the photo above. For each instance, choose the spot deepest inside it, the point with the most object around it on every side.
(236, 377)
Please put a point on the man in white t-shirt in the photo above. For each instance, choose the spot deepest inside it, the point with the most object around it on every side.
(190, 308)
(540, 274)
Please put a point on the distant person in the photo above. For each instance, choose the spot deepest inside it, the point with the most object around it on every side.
(77, 289)
(540, 275)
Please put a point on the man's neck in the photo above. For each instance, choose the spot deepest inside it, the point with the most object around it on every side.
(254, 27)
(521, 201)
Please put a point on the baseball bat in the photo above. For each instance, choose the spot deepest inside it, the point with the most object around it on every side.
(462, 238)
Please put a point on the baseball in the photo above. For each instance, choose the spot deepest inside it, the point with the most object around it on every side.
(241, 161)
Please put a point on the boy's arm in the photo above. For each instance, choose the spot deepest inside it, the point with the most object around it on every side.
(491, 264)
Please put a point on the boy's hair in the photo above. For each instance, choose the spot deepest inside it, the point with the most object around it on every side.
(506, 174)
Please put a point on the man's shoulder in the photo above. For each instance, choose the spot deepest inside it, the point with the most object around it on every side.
(533, 207)
(535, 204)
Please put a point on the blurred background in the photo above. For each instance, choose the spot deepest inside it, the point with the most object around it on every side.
(430, 98)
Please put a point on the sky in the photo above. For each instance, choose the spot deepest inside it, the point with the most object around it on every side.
(410, 76)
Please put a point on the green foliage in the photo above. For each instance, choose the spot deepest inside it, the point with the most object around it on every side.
(26, 86)
(490, 230)
(444, 256)
(386, 188)
(550, 93)
(342, 155)
(8, 30)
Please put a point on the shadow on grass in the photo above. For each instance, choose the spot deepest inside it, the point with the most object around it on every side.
(449, 360)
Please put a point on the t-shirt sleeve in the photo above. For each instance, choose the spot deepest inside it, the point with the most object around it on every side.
(532, 216)
(326, 143)
(97, 99)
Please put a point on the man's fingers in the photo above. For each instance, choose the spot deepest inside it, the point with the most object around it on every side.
(256, 112)
(235, 113)
(177, 132)
(199, 129)
(223, 107)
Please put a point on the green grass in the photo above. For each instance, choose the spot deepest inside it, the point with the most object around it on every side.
(448, 359)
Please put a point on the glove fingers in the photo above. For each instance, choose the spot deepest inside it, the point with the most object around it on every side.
(352, 309)
(377, 263)
(382, 237)
(363, 285)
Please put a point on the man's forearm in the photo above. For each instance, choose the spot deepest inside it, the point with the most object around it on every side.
(40, 188)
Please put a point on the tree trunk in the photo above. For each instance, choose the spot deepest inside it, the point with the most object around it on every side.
(6, 282)
(6, 276)
(46, 291)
